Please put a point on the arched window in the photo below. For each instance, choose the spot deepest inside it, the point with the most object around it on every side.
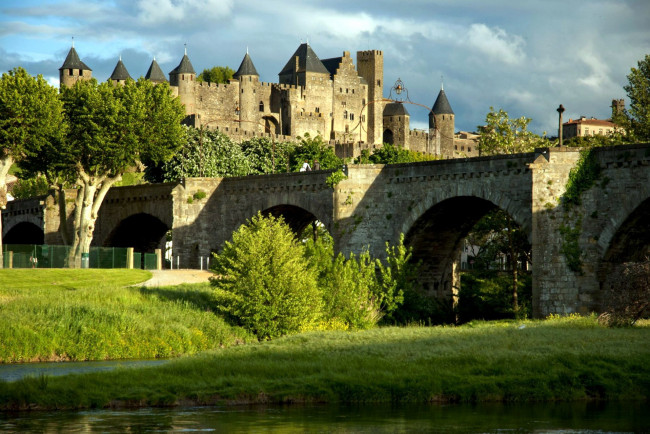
(261, 106)
(345, 114)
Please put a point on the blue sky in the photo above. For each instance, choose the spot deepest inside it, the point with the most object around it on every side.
(526, 57)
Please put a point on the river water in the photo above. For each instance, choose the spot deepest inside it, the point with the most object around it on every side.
(581, 417)
(485, 418)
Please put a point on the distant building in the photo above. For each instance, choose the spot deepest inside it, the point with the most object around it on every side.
(584, 127)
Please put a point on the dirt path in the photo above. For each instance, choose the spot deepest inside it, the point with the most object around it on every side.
(176, 277)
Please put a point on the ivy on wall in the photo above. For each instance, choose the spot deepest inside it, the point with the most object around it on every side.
(581, 178)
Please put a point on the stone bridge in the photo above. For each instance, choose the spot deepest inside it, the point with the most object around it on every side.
(435, 204)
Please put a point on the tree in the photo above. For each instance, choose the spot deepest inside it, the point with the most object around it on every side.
(315, 148)
(496, 235)
(638, 91)
(216, 74)
(110, 129)
(265, 279)
(30, 117)
(204, 153)
(265, 156)
(503, 135)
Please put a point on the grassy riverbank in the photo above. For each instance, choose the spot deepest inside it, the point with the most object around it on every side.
(560, 359)
(54, 314)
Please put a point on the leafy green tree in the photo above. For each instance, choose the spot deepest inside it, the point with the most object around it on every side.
(314, 148)
(503, 135)
(496, 235)
(265, 279)
(265, 156)
(358, 291)
(204, 153)
(110, 129)
(30, 187)
(30, 117)
(638, 91)
(216, 74)
(598, 140)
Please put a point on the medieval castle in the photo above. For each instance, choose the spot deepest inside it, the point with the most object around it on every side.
(330, 97)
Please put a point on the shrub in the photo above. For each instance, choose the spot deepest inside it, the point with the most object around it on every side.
(627, 294)
(268, 286)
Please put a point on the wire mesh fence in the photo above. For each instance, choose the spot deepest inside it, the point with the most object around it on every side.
(48, 256)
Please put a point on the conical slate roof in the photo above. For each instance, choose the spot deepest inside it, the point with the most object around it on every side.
(395, 109)
(154, 73)
(185, 67)
(246, 68)
(72, 61)
(120, 72)
(441, 106)
(308, 61)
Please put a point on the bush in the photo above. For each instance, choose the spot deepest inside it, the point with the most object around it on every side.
(627, 294)
(267, 284)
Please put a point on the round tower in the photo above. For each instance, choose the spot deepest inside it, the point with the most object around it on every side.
(442, 124)
(396, 123)
(251, 106)
(120, 74)
(183, 77)
(73, 69)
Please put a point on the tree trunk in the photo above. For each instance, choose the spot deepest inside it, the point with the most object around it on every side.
(63, 214)
(89, 199)
(513, 264)
(5, 164)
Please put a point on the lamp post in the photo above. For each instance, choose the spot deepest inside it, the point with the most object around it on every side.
(560, 110)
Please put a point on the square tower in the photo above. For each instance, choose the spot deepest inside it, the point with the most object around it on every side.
(370, 65)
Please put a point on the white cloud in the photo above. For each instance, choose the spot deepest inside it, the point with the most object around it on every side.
(162, 11)
(496, 43)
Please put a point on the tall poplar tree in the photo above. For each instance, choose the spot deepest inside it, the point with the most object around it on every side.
(30, 117)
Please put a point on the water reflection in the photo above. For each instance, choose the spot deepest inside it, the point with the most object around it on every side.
(559, 418)
(13, 372)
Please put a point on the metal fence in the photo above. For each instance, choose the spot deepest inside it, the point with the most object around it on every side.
(47, 256)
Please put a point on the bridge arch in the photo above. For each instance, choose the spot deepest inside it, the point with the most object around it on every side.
(296, 217)
(629, 243)
(519, 212)
(144, 232)
(625, 216)
(24, 232)
(436, 236)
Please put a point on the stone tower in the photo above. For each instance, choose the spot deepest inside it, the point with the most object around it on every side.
(249, 106)
(618, 107)
(183, 76)
(441, 124)
(370, 65)
(120, 74)
(73, 69)
(154, 73)
(396, 124)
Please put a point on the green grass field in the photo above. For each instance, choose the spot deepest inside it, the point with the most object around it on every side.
(93, 315)
(552, 360)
